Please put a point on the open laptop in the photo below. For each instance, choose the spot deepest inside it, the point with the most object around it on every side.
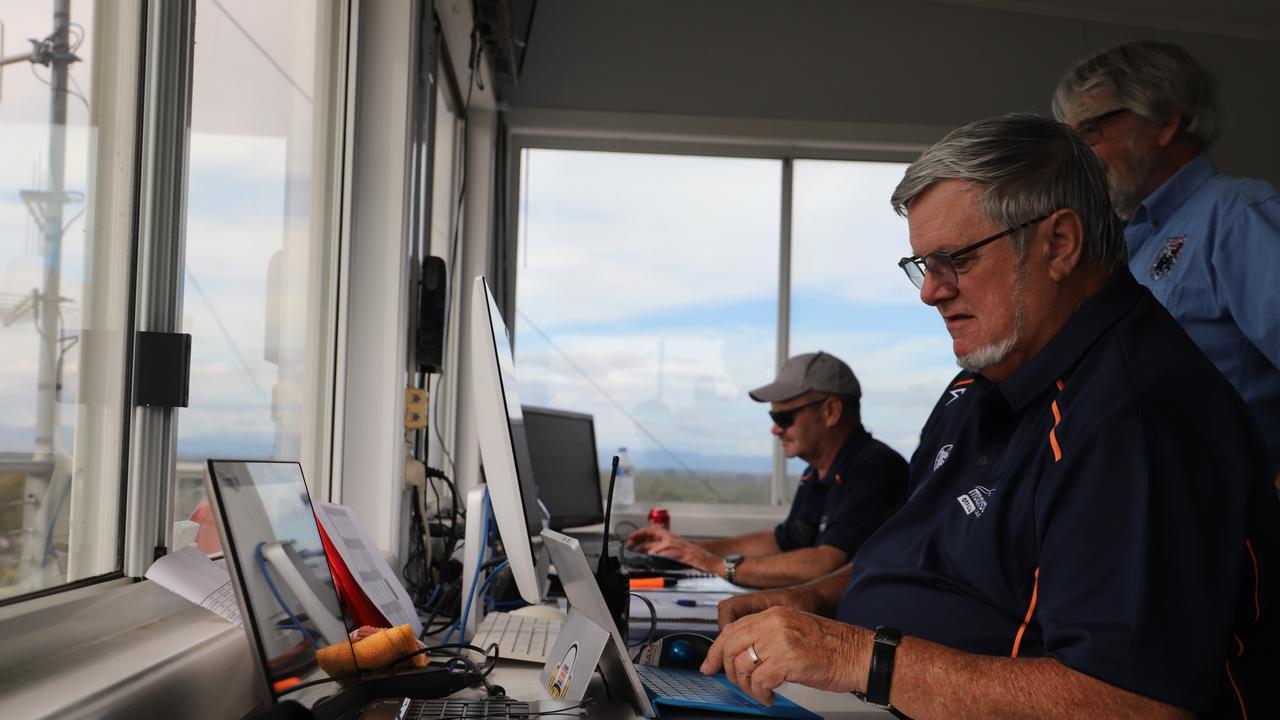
(291, 608)
(650, 687)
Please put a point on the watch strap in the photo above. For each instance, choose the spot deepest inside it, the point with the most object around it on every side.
(731, 562)
(884, 649)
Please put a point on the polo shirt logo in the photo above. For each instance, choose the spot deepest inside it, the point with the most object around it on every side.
(955, 394)
(974, 501)
(943, 453)
(1167, 258)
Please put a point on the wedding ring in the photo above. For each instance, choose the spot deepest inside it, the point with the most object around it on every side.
(752, 656)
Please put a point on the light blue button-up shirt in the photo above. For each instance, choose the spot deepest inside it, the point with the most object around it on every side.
(1208, 246)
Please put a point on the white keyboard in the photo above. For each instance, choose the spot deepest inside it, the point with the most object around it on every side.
(518, 637)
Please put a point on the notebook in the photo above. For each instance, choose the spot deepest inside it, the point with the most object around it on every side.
(289, 603)
(650, 687)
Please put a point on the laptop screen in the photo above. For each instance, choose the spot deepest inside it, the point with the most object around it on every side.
(278, 566)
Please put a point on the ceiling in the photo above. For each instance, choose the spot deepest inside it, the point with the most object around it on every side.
(1257, 19)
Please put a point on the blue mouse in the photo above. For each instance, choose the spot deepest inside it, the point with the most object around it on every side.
(679, 650)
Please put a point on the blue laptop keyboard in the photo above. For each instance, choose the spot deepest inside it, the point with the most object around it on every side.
(692, 689)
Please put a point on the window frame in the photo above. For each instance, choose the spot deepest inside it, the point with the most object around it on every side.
(784, 141)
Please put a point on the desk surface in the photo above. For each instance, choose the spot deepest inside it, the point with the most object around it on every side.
(520, 680)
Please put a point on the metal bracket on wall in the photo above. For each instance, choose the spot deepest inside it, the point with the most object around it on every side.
(162, 369)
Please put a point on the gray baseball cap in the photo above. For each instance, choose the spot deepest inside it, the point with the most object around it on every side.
(817, 372)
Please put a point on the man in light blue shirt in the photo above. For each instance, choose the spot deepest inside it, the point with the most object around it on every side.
(1206, 244)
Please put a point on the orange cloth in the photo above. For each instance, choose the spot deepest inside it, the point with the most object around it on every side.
(375, 651)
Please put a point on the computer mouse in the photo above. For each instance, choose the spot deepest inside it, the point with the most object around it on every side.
(543, 612)
(679, 650)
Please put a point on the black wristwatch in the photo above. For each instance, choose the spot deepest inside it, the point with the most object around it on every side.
(731, 562)
(883, 650)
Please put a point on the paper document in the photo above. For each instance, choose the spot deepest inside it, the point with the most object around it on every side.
(714, 584)
(188, 573)
(676, 605)
(366, 564)
(676, 612)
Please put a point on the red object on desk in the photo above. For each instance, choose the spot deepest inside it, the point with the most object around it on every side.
(660, 516)
(362, 609)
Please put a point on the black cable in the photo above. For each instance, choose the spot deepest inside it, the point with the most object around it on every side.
(451, 541)
(446, 598)
(417, 577)
(653, 624)
(481, 674)
(524, 46)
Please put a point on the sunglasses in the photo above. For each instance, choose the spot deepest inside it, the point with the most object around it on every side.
(786, 418)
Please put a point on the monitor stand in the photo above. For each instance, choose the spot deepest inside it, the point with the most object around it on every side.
(471, 552)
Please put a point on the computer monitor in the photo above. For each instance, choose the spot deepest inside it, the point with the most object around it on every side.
(562, 446)
(504, 450)
(278, 565)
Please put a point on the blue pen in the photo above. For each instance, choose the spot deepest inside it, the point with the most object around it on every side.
(683, 602)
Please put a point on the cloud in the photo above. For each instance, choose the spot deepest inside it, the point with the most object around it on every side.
(640, 233)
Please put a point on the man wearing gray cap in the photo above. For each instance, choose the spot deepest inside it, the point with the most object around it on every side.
(852, 485)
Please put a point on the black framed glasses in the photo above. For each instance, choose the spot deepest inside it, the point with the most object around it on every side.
(942, 266)
(1090, 129)
(786, 418)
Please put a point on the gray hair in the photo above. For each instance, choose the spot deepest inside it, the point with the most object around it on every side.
(1026, 166)
(1150, 79)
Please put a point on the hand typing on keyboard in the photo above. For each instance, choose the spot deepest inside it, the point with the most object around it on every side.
(792, 646)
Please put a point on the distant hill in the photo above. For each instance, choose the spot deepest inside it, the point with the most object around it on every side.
(657, 460)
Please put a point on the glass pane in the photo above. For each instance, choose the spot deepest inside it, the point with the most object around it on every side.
(647, 297)
(849, 297)
(67, 98)
(260, 247)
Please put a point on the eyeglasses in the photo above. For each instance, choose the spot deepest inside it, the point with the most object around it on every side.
(942, 266)
(1090, 129)
(786, 418)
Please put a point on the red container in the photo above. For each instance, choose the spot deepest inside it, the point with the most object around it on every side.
(660, 516)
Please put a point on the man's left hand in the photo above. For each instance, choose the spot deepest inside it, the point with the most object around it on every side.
(689, 553)
(792, 646)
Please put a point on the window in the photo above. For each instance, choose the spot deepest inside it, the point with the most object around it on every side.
(648, 295)
(261, 241)
(67, 103)
(849, 297)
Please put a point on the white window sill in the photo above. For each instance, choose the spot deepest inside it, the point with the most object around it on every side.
(707, 520)
(130, 651)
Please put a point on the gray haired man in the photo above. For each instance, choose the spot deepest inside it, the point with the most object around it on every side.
(1206, 244)
(1091, 529)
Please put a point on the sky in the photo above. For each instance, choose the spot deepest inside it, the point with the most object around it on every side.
(647, 291)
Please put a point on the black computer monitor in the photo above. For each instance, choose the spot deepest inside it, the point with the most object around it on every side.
(562, 448)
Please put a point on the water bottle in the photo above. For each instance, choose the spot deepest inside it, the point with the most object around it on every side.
(624, 485)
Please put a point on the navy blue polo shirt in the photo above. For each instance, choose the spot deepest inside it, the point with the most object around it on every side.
(866, 483)
(1108, 505)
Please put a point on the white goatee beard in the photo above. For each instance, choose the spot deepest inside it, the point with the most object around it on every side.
(988, 355)
(995, 353)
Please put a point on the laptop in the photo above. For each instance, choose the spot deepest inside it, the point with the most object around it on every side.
(291, 607)
(650, 687)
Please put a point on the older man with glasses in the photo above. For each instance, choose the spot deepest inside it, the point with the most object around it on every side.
(1206, 244)
(1091, 530)
(852, 485)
